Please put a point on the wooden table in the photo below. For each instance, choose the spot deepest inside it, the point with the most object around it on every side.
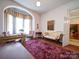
(38, 35)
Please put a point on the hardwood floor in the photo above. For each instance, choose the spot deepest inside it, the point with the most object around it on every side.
(73, 47)
(14, 51)
(70, 47)
(74, 42)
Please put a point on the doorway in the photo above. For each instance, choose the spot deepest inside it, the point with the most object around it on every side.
(74, 27)
(74, 30)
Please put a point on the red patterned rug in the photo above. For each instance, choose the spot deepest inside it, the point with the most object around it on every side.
(43, 50)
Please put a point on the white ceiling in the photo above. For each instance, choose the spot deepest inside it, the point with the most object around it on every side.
(74, 14)
(46, 5)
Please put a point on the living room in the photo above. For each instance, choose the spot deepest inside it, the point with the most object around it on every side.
(42, 16)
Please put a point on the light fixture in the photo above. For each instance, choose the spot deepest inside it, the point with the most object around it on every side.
(38, 3)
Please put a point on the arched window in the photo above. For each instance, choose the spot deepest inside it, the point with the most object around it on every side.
(17, 21)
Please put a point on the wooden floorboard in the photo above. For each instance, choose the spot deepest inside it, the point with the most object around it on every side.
(15, 50)
(70, 47)
(73, 47)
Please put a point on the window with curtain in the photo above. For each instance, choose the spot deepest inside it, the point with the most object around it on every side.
(17, 21)
(27, 25)
(19, 24)
(10, 23)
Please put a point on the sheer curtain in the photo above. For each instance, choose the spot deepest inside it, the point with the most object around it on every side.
(10, 24)
(27, 27)
(19, 24)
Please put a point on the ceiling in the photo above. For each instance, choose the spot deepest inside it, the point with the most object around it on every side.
(74, 14)
(46, 5)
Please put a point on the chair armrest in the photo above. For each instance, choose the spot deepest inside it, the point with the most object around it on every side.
(61, 36)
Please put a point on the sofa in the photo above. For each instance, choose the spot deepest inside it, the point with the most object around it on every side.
(53, 35)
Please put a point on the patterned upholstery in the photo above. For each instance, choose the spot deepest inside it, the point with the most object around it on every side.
(52, 35)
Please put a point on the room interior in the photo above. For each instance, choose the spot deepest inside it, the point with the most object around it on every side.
(74, 27)
(39, 29)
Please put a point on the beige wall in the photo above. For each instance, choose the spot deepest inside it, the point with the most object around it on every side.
(5, 3)
(59, 14)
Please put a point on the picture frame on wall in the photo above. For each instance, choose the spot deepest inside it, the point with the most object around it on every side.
(50, 25)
